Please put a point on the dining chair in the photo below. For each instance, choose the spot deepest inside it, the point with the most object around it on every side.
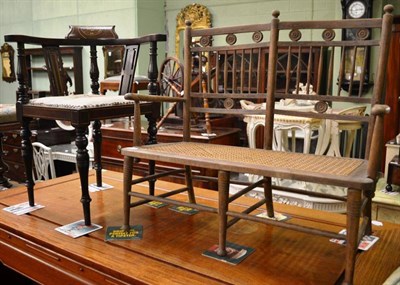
(82, 109)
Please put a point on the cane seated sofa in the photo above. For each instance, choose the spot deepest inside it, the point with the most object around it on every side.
(81, 110)
(238, 76)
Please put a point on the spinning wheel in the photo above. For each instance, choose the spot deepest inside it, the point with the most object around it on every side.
(171, 77)
(171, 83)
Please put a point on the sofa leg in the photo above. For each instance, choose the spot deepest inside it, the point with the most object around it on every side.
(223, 194)
(353, 224)
(128, 171)
(268, 196)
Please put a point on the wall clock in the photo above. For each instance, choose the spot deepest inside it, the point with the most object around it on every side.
(356, 9)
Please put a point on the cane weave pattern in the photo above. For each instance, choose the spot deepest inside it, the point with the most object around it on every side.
(339, 166)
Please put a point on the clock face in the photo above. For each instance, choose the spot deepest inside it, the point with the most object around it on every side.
(357, 9)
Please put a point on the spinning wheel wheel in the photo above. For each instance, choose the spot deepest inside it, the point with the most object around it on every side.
(171, 83)
(171, 77)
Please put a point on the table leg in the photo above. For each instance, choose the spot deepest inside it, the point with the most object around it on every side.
(82, 161)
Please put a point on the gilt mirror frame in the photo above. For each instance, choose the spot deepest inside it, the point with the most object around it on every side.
(7, 62)
(198, 14)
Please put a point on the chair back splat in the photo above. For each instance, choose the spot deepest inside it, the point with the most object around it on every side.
(285, 71)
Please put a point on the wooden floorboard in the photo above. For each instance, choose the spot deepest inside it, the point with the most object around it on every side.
(172, 245)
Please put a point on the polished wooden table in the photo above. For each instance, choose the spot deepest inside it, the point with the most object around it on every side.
(172, 245)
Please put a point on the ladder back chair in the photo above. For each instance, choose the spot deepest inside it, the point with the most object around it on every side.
(250, 71)
(81, 109)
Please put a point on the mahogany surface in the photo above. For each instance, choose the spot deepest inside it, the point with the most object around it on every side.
(171, 252)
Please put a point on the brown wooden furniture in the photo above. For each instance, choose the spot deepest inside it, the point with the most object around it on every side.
(174, 257)
(393, 172)
(73, 54)
(392, 97)
(11, 141)
(112, 83)
(80, 110)
(5, 164)
(359, 175)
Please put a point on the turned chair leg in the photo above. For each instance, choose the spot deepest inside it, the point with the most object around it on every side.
(223, 195)
(189, 184)
(367, 211)
(352, 228)
(152, 182)
(268, 196)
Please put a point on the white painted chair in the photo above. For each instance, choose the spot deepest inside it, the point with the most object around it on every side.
(43, 161)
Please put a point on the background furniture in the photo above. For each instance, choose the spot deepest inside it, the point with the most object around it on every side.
(392, 121)
(67, 153)
(112, 83)
(349, 128)
(391, 162)
(113, 57)
(8, 121)
(283, 124)
(43, 162)
(35, 64)
(80, 110)
(13, 150)
(393, 172)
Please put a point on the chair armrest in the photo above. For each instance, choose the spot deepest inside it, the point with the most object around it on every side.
(152, 98)
(379, 111)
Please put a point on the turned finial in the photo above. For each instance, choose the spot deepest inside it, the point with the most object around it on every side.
(188, 23)
(388, 8)
(275, 13)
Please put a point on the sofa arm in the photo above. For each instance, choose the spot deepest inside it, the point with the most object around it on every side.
(379, 111)
(152, 98)
(136, 117)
